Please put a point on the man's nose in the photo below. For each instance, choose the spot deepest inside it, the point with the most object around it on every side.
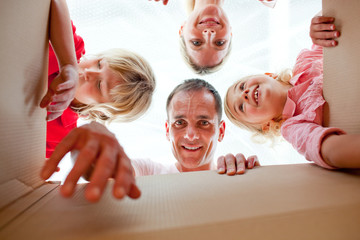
(191, 133)
(209, 33)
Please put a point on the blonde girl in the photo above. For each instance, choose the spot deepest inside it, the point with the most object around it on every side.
(115, 85)
(271, 105)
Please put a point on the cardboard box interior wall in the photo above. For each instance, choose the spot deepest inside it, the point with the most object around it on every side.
(273, 202)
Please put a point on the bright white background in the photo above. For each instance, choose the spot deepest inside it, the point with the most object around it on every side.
(264, 40)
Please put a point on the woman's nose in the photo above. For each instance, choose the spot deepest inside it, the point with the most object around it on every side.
(208, 33)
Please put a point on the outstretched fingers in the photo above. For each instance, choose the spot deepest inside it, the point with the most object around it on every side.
(125, 179)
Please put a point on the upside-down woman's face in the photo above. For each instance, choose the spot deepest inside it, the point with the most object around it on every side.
(207, 34)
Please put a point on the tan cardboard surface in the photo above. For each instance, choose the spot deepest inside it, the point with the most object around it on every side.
(270, 202)
(12, 211)
(342, 66)
(12, 190)
(23, 67)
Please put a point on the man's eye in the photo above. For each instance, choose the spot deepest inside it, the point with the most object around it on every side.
(204, 123)
(220, 43)
(179, 122)
(196, 43)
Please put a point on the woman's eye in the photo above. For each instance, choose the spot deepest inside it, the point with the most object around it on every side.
(196, 43)
(99, 64)
(99, 84)
(220, 43)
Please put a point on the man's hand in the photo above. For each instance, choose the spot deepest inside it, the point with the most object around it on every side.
(98, 148)
(61, 92)
(232, 165)
(164, 1)
(323, 31)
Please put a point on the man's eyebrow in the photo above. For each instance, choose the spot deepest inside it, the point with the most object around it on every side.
(179, 116)
(203, 117)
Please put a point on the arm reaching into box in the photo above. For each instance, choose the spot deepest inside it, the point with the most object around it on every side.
(97, 146)
(62, 89)
(341, 151)
(237, 164)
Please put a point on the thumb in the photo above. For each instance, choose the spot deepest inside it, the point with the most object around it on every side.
(47, 99)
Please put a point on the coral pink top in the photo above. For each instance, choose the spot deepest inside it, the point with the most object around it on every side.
(303, 109)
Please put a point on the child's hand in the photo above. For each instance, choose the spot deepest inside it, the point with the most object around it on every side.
(323, 32)
(97, 147)
(232, 165)
(61, 92)
(164, 1)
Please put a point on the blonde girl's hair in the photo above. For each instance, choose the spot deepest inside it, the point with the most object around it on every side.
(260, 134)
(131, 98)
(202, 70)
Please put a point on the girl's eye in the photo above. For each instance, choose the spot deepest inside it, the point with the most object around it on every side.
(99, 84)
(241, 107)
(196, 43)
(99, 64)
(220, 43)
(242, 86)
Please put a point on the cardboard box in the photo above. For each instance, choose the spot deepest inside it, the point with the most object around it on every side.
(341, 67)
(274, 202)
(23, 66)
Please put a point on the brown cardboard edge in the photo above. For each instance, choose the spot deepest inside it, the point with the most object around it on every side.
(12, 190)
(12, 211)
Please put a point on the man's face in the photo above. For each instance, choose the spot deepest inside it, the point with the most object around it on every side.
(193, 129)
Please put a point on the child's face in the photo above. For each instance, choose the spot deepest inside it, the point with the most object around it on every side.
(207, 34)
(96, 80)
(257, 100)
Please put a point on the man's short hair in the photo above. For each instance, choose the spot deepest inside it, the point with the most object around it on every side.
(196, 84)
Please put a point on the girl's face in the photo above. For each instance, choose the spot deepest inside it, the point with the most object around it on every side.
(207, 34)
(96, 80)
(257, 100)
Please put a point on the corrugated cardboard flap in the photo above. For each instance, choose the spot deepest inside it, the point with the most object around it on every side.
(269, 202)
(23, 65)
(341, 67)
(23, 198)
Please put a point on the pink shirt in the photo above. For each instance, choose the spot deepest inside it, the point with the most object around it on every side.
(304, 107)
